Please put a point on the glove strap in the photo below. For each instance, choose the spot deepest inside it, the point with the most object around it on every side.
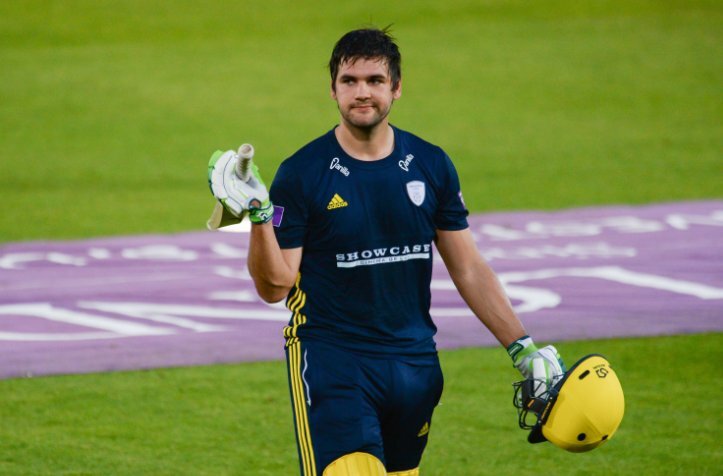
(520, 348)
(258, 215)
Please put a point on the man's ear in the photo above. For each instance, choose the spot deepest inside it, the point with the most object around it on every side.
(332, 91)
(397, 93)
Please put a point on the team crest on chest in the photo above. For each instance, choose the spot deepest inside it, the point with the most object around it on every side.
(416, 192)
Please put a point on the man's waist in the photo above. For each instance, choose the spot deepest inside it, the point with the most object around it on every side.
(375, 345)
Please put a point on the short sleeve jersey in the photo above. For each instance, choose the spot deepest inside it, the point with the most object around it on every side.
(366, 228)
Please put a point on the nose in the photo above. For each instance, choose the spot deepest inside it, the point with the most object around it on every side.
(362, 90)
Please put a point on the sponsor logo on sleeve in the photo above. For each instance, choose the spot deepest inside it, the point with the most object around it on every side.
(461, 199)
(278, 216)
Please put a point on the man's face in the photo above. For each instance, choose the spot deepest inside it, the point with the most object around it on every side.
(363, 92)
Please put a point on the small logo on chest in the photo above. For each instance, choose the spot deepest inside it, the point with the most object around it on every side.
(404, 164)
(335, 165)
(416, 192)
(336, 202)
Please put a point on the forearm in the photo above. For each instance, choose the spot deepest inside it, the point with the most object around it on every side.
(481, 289)
(273, 275)
(485, 296)
(478, 285)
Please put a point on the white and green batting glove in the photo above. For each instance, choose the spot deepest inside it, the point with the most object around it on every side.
(260, 213)
(236, 183)
(543, 365)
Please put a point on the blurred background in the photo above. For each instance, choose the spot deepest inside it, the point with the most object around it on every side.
(109, 110)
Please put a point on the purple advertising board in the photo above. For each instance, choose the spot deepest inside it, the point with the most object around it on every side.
(135, 302)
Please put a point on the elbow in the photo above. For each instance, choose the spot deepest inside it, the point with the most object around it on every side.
(272, 292)
(272, 296)
(271, 286)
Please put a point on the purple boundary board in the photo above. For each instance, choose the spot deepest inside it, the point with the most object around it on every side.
(173, 300)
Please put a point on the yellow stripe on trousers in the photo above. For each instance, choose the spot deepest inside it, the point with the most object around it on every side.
(302, 419)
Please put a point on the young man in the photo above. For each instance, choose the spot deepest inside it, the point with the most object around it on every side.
(349, 246)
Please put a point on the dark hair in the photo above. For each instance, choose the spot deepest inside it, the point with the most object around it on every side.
(367, 43)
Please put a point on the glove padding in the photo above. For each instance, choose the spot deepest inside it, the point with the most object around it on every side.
(237, 197)
(543, 365)
(220, 218)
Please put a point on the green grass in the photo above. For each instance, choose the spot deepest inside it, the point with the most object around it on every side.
(110, 110)
(236, 419)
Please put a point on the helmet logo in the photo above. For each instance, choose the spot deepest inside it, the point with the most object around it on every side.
(602, 372)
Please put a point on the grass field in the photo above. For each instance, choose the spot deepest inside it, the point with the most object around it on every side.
(109, 111)
(236, 419)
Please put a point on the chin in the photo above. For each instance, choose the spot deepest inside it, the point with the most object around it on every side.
(365, 122)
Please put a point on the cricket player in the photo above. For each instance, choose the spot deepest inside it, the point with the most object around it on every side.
(345, 236)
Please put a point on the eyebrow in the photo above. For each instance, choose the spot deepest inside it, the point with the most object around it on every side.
(345, 76)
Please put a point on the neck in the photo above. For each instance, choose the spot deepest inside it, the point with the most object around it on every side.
(366, 144)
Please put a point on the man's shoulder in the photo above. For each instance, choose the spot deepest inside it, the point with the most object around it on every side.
(310, 153)
(412, 141)
(305, 165)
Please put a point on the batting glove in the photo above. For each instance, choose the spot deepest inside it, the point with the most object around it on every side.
(236, 183)
(543, 365)
(260, 213)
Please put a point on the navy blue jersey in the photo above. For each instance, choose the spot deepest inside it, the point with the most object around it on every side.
(366, 228)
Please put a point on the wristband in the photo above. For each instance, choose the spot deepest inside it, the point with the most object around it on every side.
(258, 215)
(520, 348)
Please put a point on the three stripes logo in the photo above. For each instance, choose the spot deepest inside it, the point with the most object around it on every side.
(336, 202)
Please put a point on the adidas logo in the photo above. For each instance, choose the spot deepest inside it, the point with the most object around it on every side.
(424, 430)
(336, 202)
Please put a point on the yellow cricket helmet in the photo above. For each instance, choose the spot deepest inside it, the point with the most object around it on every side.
(581, 411)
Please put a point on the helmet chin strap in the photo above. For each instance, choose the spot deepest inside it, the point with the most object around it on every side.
(528, 399)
